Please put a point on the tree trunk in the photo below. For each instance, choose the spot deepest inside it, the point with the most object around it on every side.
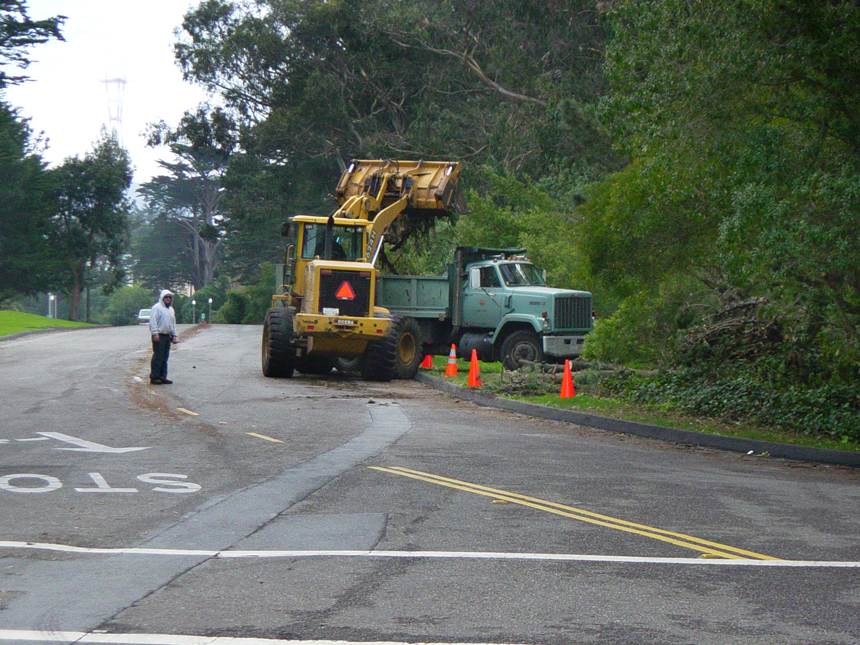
(77, 289)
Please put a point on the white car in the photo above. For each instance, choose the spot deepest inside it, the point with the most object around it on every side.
(143, 317)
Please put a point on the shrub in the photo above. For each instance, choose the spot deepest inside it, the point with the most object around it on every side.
(642, 331)
(830, 409)
(123, 305)
(233, 311)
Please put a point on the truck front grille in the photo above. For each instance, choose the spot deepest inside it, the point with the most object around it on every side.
(573, 312)
(346, 291)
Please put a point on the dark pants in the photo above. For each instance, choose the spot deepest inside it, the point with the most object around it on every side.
(160, 354)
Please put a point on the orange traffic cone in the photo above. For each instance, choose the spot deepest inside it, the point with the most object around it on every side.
(474, 371)
(567, 389)
(427, 363)
(451, 367)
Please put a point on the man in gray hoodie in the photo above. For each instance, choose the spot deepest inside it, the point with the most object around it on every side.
(162, 327)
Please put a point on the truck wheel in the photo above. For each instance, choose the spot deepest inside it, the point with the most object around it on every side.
(317, 365)
(407, 338)
(522, 345)
(278, 350)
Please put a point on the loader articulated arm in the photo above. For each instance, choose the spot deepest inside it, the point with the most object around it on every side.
(377, 191)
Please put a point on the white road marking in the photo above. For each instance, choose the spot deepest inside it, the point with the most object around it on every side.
(32, 636)
(468, 555)
(50, 483)
(86, 446)
(166, 483)
(163, 483)
(103, 487)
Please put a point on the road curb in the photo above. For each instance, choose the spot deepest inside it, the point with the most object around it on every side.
(46, 330)
(662, 433)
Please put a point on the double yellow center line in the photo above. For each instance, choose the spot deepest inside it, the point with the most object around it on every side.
(705, 547)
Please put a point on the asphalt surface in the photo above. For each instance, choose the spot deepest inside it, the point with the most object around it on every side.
(231, 505)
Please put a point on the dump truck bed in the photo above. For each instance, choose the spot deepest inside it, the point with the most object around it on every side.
(416, 296)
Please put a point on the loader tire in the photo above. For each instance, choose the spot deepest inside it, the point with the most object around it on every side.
(379, 360)
(407, 339)
(278, 349)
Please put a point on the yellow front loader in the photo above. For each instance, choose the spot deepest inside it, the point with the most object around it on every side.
(324, 310)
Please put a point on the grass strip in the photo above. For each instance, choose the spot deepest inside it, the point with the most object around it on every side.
(14, 322)
(492, 374)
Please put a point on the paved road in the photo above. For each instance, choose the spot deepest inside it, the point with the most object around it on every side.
(230, 505)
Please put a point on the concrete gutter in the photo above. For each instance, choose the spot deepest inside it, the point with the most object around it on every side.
(686, 437)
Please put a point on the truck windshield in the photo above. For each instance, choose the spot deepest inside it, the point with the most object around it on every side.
(346, 242)
(521, 274)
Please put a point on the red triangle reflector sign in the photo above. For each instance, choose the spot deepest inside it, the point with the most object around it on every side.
(345, 292)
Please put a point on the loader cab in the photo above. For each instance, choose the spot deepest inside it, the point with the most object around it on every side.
(347, 242)
(306, 242)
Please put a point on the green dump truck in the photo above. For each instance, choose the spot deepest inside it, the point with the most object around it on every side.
(491, 300)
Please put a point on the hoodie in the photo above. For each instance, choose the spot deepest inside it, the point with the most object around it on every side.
(162, 319)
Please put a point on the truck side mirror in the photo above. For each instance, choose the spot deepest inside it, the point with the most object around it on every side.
(475, 278)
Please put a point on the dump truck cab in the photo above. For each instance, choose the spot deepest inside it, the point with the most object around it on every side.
(511, 314)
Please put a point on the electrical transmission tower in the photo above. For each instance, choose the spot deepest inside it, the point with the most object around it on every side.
(115, 89)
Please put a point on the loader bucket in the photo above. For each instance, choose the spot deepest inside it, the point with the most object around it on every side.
(431, 185)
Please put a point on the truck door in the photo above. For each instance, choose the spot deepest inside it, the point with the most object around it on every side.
(483, 298)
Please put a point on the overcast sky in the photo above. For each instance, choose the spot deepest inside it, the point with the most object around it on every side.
(106, 40)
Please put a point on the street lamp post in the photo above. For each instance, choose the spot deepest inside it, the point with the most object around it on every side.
(209, 317)
(194, 312)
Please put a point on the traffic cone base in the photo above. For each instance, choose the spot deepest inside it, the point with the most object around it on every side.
(474, 371)
(451, 367)
(567, 389)
(427, 363)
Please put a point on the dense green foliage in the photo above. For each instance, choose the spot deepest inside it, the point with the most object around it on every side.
(24, 185)
(62, 229)
(741, 122)
(89, 232)
(18, 33)
(24, 210)
(312, 84)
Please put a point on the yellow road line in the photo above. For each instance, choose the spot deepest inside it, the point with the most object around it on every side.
(708, 548)
(262, 436)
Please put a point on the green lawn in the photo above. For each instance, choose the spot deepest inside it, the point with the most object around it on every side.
(12, 322)
(492, 374)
